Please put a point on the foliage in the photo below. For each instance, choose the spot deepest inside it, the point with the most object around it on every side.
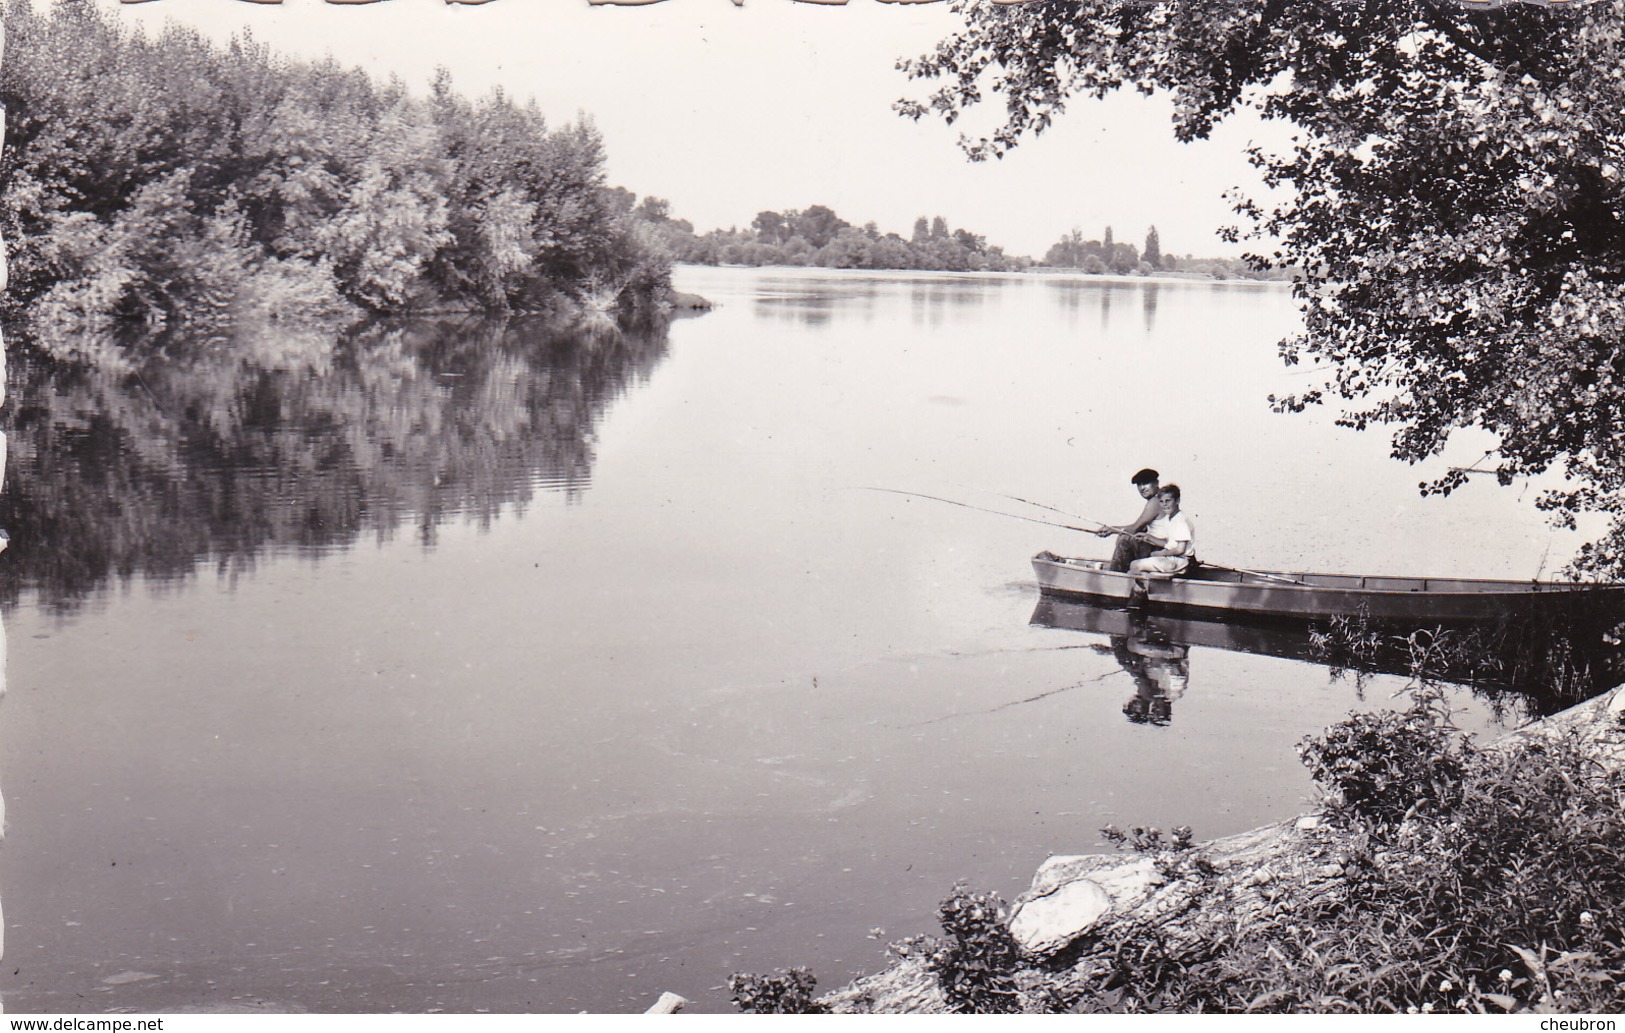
(976, 962)
(789, 993)
(819, 237)
(974, 965)
(1386, 766)
(1072, 251)
(1453, 193)
(1148, 840)
(166, 182)
(1539, 663)
(1152, 252)
(1502, 889)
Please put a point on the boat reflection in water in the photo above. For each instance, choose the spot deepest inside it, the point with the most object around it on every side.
(1537, 669)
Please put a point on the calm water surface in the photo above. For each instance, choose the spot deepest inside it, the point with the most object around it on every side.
(475, 667)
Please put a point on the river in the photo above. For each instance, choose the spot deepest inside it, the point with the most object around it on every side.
(474, 666)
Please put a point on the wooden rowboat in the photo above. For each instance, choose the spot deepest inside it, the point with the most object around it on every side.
(1271, 594)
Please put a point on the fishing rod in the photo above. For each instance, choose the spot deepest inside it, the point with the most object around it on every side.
(1238, 570)
(984, 509)
(1262, 574)
(1052, 509)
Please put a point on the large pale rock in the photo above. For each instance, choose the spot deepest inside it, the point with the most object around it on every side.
(1044, 925)
(1070, 894)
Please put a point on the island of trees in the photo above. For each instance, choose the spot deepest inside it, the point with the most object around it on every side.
(1108, 255)
(817, 236)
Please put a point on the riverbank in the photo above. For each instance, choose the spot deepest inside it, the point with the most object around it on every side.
(1283, 909)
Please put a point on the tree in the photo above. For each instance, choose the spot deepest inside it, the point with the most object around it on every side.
(170, 181)
(1153, 249)
(1068, 252)
(770, 227)
(819, 225)
(394, 219)
(654, 209)
(1455, 199)
(1123, 258)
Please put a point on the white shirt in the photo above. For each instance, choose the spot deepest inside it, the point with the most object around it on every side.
(1175, 530)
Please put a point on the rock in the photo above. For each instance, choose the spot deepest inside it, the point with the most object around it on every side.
(668, 1004)
(1070, 894)
(907, 988)
(1044, 925)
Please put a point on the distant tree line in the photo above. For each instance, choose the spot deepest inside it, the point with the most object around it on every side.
(1110, 256)
(171, 181)
(817, 236)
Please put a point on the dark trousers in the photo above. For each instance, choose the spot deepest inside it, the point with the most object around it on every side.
(1129, 549)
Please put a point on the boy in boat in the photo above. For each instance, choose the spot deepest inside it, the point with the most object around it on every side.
(1129, 545)
(1171, 536)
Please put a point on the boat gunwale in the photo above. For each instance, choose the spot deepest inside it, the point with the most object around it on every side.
(1506, 587)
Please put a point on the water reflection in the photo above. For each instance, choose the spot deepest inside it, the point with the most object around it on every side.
(220, 454)
(1073, 296)
(935, 302)
(1160, 670)
(1537, 670)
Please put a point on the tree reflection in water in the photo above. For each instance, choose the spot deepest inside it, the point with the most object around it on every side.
(203, 452)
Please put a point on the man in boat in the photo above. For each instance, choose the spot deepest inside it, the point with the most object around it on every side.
(1129, 546)
(1171, 536)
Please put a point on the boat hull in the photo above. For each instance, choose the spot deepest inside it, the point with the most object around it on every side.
(1307, 596)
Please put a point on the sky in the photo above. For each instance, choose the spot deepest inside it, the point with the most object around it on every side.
(726, 111)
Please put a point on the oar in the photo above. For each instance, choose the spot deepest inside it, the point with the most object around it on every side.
(1255, 573)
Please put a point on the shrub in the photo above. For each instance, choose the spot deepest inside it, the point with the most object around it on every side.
(788, 993)
(975, 964)
(1384, 765)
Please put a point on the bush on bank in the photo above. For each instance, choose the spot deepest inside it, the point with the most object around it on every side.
(1470, 880)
